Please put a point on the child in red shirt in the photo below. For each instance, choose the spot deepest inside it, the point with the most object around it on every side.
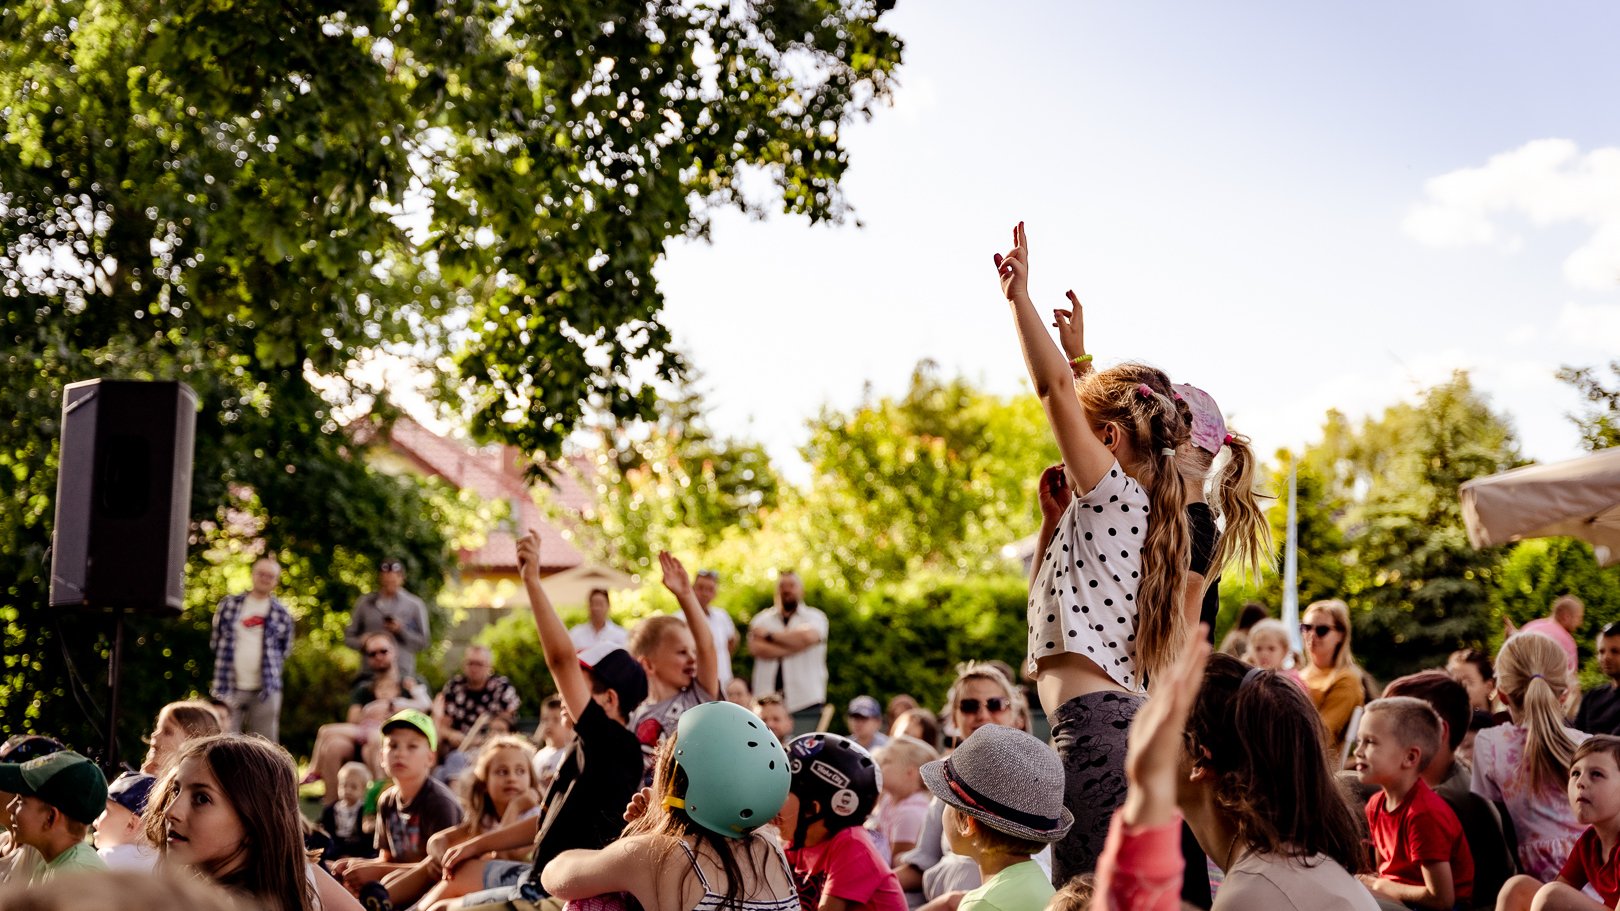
(1594, 794)
(1423, 859)
(835, 865)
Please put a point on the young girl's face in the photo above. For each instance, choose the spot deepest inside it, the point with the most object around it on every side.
(508, 775)
(1594, 788)
(162, 743)
(1267, 652)
(737, 692)
(674, 661)
(203, 828)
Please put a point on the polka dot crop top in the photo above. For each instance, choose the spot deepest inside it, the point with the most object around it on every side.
(1083, 599)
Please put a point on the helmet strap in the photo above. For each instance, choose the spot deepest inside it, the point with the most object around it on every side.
(675, 802)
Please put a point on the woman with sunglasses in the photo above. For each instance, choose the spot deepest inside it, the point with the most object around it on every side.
(981, 695)
(1331, 675)
(378, 695)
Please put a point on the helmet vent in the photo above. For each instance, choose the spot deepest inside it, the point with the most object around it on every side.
(753, 743)
(773, 765)
(746, 813)
(753, 725)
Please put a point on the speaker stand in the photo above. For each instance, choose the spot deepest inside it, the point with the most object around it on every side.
(115, 668)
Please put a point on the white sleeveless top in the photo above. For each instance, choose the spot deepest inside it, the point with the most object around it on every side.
(1083, 599)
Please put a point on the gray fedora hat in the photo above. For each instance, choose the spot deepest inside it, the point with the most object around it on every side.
(1007, 780)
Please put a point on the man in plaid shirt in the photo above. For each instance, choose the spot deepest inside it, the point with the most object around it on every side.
(252, 633)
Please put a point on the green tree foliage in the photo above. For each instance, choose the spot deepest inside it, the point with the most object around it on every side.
(1600, 422)
(242, 172)
(940, 479)
(674, 483)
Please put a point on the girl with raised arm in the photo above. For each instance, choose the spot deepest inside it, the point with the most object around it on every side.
(1108, 594)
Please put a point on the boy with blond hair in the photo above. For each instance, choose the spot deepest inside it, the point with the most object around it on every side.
(1423, 859)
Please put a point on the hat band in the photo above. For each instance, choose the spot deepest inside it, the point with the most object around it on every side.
(974, 799)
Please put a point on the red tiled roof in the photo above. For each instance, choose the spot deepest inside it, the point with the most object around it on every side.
(494, 473)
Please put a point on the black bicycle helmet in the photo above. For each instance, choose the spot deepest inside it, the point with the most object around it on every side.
(839, 775)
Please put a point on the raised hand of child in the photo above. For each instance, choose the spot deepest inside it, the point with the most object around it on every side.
(675, 576)
(1071, 327)
(528, 554)
(1055, 493)
(1153, 753)
(637, 805)
(1013, 267)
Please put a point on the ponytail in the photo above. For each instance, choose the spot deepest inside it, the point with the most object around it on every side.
(1246, 540)
(1532, 673)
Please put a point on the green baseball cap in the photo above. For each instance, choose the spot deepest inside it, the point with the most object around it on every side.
(414, 719)
(65, 780)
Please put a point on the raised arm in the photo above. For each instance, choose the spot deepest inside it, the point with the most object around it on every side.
(680, 585)
(562, 659)
(1085, 458)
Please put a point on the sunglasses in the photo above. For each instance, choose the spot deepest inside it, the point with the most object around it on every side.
(993, 704)
(1320, 629)
(391, 567)
(377, 651)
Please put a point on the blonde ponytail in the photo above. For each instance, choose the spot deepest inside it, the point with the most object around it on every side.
(1246, 540)
(1532, 674)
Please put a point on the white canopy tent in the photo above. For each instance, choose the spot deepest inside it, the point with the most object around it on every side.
(1578, 499)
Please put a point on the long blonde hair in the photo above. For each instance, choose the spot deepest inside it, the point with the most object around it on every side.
(1532, 674)
(1137, 399)
(476, 802)
(1245, 542)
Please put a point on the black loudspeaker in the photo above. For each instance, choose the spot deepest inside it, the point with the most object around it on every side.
(123, 495)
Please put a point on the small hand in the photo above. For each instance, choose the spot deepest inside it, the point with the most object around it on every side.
(675, 577)
(1055, 494)
(528, 554)
(1154, 746)
(1013, 268)
(456, 855)
(637, 805)
(1071, 327)
(391, 624)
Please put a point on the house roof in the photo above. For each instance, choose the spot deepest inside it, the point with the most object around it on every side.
(495, 473)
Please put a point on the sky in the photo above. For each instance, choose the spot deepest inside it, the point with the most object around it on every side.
(1294, 206)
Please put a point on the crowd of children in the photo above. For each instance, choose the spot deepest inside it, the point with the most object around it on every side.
(1175, 776)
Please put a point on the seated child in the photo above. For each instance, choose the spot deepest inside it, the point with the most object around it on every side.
(1268, 648)
(1003, 794)
(58, 797)
(345, 821)
(119, 837)
(833, 789)
(410, 811)
(903, 804)
(778, 720)
(1594, 793)
(552, 736)
(1423, 859)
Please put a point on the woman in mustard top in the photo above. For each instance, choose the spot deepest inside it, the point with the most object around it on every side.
(1330, 671)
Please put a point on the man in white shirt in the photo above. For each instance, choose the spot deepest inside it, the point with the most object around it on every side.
(252, 633)
(720, 622)
(598, 628)
(789, 645)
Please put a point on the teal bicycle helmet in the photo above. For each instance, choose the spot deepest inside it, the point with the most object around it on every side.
(736, 771)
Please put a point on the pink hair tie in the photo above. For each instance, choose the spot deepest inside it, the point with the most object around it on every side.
(1145, 391)
(1227, 441)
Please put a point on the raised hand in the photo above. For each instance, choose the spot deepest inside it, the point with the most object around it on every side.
(637, 805)
(675, 577)
(1154, 747)
(1013, 267)
(1071, 327)
(1055, 493)
(528, 554)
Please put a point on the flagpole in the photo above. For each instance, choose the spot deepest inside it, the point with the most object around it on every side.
(1290, 584)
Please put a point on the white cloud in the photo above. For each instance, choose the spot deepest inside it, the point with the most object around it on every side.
(1595, 326)
(1546, 182)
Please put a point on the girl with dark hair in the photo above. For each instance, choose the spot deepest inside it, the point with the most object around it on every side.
(1108, 605)
(247, 837)
(692, 843)
(1241, 755)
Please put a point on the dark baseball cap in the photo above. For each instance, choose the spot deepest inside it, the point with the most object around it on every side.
(612, 667)
(24, 747)
(131, 791)
(65, 780)
(865, 707)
